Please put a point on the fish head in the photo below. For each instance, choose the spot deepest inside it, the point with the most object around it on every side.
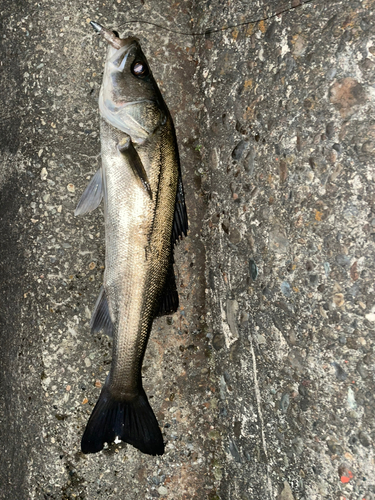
(130, 99)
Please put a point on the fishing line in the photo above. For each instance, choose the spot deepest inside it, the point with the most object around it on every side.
(217, 30)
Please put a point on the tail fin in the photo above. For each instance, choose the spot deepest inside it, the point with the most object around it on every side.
(132, 421)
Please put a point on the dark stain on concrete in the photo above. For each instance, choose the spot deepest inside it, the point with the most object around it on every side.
(15, 434)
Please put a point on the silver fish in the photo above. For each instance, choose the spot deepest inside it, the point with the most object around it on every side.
(145, 214)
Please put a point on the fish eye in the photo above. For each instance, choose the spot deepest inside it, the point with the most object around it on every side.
(139, 69)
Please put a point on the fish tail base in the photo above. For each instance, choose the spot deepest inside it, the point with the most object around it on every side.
(133, 421)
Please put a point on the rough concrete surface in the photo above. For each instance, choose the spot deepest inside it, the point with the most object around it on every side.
(263, 381)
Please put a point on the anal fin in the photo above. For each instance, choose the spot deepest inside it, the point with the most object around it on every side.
(101, 319)
(92, 195)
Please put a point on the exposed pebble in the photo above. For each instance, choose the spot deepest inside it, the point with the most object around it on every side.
(225, 225)
(283, 171)
(162, 490)
(253, 269)
(235, 236)
(249, 161)
(43, 174)
(364, 439)
(232, 311)
(351, 399)
(218, 341)
(286, 493)
(238, 150)
(340, 372)
(284, 402)
(234, 451)
(285, 289)
(278, 242)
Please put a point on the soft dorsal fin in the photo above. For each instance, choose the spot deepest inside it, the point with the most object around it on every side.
(169, 297)
(180, 220)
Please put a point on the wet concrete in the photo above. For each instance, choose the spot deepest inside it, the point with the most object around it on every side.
(262, 381)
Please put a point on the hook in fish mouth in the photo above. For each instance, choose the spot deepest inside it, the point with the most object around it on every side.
(112, 37)
(109, 36)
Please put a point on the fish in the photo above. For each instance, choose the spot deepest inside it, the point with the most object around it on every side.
(145, 215)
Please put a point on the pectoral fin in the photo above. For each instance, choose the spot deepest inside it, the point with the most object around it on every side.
(101, 319)
(92, 195)
(127, 149)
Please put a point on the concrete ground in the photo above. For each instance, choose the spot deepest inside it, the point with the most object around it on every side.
(263, 381)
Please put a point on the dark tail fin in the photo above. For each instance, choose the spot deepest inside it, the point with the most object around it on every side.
(131, 421)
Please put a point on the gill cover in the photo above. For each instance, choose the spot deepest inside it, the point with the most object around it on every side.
(129, 98)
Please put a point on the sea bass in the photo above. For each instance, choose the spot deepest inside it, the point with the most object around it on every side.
(145, 214)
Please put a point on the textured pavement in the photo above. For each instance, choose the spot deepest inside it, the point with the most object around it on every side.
(263, 381)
